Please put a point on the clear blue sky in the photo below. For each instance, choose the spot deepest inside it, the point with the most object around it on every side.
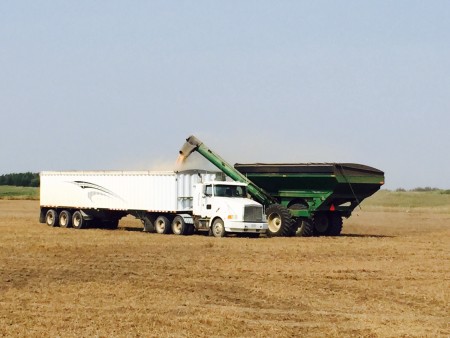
(121, 84)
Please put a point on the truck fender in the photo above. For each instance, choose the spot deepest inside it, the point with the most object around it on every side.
(86, 216)
(187, 218)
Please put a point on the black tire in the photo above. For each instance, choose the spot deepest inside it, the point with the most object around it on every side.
(280, 221)
(335, 226)
(190, 229)
(305, 228)
(51, 218)
(162, 225)
(218, 228)
(42, 216)
(179, 226)
(78, 222)
(65, 219)
(321, 223)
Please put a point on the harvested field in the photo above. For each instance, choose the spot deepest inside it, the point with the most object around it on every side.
(388, 275)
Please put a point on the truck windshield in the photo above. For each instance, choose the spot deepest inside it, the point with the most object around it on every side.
(230, 191)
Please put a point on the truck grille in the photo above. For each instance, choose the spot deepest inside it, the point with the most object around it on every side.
(253, 213)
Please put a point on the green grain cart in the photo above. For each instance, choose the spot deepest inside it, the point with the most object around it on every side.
(306, 199)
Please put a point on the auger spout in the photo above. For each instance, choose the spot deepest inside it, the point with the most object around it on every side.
(194, 144)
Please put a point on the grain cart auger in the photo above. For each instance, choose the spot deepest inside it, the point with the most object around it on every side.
(278, 217)
(309, 199)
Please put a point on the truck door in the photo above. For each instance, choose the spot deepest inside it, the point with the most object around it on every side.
(206, 203)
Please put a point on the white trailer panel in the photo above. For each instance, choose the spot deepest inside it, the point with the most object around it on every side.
(164, 191)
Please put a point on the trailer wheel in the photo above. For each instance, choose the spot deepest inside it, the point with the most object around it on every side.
(218, 229)
(335, 226)
(280, 221)
(179, 226)
(51, 218)
(162, 225)
(321, 224)
(305, 228)
(65, 219)
(78, 222)
(42, 215)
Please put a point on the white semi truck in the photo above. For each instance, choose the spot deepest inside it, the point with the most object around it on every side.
(166, 202)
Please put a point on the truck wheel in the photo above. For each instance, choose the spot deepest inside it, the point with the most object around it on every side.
(218, 229)
(65, 219)
(305, 228)
(51, 218)
(162, 225)
(190, 229)
(179, 226)
(335, 226)
(42, 216)
(78, 222)
(280, 221)
(321, 224)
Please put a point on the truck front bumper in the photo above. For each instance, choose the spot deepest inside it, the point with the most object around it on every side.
(236, 226)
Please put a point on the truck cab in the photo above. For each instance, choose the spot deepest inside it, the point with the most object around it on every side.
(224, 207)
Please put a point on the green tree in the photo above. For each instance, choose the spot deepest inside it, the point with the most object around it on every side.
(27, 179)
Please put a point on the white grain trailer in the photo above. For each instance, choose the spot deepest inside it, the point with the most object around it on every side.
(165, 201)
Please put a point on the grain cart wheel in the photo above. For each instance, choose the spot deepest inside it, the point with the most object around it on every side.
(65, 219)
(179, 226)
(218, 229)
(280, 221)
(162, 225)
(78, 222)
(298, 227)
(305, 228)
(51, 218)
(335, 226)
(321, 224)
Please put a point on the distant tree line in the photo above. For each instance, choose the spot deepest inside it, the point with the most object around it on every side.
(424, 189)
(27, 179)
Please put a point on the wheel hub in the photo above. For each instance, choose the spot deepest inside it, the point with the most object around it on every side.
(177, 227)
(275, 222)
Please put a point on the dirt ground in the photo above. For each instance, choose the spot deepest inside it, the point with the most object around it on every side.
(388, 275)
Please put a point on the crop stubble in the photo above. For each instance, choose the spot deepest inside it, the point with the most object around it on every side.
(387, 275)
